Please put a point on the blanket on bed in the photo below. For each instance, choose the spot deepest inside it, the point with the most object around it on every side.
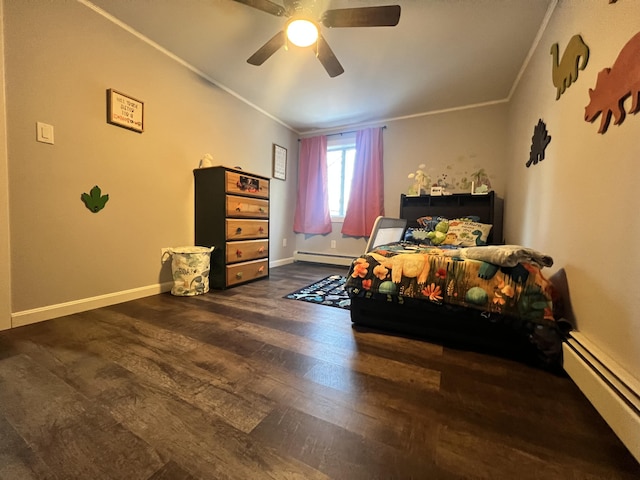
(502, 255)
(498, 279)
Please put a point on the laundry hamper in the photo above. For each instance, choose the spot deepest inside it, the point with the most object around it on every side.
(190, 270)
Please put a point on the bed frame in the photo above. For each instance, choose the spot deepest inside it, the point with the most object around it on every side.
(489, 207)
(458, 328)
(450, 325)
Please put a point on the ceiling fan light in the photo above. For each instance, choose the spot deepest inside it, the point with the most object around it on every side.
(302, 32)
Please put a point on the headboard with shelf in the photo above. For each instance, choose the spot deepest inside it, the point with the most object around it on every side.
(488, 207)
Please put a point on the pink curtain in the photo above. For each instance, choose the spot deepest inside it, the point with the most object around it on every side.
(312, 200)
(366, 201)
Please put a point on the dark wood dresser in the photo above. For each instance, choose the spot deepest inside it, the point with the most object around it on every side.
(232, 215)
(488, 207)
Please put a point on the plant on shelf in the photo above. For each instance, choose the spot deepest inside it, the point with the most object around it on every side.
(420, 179)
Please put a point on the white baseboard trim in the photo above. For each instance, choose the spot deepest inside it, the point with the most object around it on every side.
(281, 262)
(326, 258)
(610, 389)
(27, 317)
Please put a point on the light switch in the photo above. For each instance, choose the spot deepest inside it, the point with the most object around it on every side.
(44, 132)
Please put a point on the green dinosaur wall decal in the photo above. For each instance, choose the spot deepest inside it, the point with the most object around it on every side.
(94, 201)
(565, 71)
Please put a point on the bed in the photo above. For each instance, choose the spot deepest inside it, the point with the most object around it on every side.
(460, 288)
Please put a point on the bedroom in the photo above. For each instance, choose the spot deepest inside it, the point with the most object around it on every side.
(582, 192)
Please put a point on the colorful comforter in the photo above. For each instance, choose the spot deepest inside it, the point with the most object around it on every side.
(505, 280)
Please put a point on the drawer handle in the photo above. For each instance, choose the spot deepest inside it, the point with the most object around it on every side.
(261, 269)
(261, 210)
(261, 250)
(239, 275)
(238, 231)
(238, 253)
(261, 230)
(239, 207)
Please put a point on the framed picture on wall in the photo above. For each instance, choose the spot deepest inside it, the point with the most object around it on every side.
(124, 111)
(279, 162)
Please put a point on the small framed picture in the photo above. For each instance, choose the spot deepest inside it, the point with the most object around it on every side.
(124, 111)
(279, 162)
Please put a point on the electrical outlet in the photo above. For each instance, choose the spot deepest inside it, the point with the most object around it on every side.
(333, 244)
(284, 242)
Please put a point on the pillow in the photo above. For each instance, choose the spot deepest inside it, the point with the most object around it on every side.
(430, 223)
(467, 234)
(416, 235)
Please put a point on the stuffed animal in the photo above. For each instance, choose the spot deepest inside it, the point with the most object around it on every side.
(436, 237)
(405, 264)
(439, 234)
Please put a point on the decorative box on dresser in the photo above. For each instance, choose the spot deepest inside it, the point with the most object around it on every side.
(232, 215)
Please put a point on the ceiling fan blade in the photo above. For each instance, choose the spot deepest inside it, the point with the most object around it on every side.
(292, 6)
(384, 16)
(328, 59)
(268, 49)
(265, 6)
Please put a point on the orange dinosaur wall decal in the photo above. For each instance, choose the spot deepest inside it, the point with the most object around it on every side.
(565, 71)
(614, 85)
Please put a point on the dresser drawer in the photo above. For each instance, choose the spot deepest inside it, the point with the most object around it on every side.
(240, 229)
(243, 272)
(247, 207)
(246, 184)
(248, 250)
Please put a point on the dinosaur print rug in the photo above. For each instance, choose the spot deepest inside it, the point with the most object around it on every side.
(328, 291)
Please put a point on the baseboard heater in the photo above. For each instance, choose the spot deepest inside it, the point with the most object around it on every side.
(327, 258)
(611, 390)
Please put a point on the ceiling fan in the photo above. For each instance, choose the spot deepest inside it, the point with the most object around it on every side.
(299, 22)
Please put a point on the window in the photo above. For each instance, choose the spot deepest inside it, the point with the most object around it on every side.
(341, 154)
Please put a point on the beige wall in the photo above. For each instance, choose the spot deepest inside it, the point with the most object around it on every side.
(5, 274)
(453, 143)
(579, 204)
(60, 57)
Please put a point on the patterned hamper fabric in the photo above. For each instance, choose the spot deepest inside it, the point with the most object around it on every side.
(190, 270)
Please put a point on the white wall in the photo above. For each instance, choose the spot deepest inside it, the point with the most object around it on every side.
(452, 142)
(60, 58)
(580, 203)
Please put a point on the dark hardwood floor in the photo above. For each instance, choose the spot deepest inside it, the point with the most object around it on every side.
(243, 384)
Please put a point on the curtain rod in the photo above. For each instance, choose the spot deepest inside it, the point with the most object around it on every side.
(345, 133)
(350, 131)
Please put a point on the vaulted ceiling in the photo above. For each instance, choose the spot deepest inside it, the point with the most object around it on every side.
(443, 54)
